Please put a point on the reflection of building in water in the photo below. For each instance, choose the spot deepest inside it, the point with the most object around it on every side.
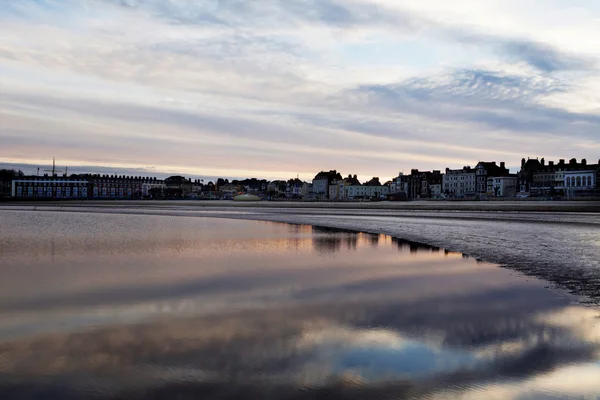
(330, 240)
(327, 240)
(452, 253)
(414, 247)
(351, 242)
(373, 239)
(296, 228)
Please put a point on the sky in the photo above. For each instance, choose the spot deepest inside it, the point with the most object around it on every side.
(280, 88)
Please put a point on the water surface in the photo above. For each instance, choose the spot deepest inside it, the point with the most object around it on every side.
(148, 306)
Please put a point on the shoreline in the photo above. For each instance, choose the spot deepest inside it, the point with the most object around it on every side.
(508, 205)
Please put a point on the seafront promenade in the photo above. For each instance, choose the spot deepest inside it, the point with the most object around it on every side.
(508, 205)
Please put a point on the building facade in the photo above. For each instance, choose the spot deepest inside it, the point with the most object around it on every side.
(537, 178)
(485, 170)
(502, 186)
(321, 182)
(294, 187)
(581, 179)
(459, 182)
(51, 188)
(355, 192)
(81, 187)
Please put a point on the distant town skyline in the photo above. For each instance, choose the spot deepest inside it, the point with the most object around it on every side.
(44, 168)
(282, 88)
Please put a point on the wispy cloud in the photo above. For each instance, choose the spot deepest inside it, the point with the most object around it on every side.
(369, 87)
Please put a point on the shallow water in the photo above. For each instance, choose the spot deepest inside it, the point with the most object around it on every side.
(149, 306)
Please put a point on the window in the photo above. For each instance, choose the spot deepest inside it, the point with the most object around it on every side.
(578, 181)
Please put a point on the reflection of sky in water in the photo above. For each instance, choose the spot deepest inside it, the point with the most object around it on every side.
(411, 360)
(241, 304)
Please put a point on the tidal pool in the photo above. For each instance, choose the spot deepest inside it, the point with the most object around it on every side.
(99, 305)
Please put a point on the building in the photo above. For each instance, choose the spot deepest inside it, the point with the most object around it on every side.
(485, 170)
(399, 184)
(6, 178)
(436, 190)
(307, 191)
(548, 179)
(431, 184)
(525, 176)
(276, 187)
(415, 184)
(580, 179)
(338, 190)
(374, 189)
(355, 192)
(583, 180)
(230, 188)
(178, 186)
(85, 186)
(294, 187)
(502, 186)
(321, 182)
(116, 186)
(50, 188)
(459, 182)
(536, 178)
(152, 186)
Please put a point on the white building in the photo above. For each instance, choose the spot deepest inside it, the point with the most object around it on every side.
(436, 190)
(152, 185)
(580, 179)
(459, 181)
(502, 186)
(366, 191)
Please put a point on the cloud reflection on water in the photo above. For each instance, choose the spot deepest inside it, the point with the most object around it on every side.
(309, 313)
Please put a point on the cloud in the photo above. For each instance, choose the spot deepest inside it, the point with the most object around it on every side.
(500, 101)
(324, 350)
(376, 80)
(277, 13)
(546, 58)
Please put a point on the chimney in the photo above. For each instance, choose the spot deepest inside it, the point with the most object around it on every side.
(551, 163)
(502, 164)
(583, 161)
(543, 161)
(355, 176)
(573, 161)
(522, 162)
(561, 161)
